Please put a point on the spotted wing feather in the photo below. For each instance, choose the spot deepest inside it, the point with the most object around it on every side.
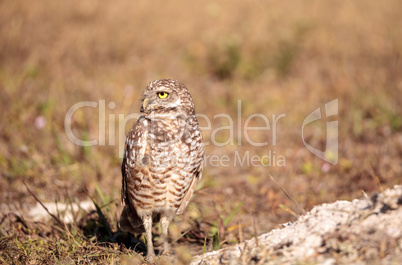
(129, 220)
(193, 139)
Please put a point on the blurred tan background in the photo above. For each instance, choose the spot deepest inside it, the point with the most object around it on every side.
(275, 57)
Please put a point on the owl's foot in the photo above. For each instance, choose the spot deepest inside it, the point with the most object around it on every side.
(167, 252)
(150, 258)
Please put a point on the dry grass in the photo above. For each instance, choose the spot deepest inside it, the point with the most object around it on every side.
(276, 57)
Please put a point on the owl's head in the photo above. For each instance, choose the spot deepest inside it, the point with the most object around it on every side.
(165, 96)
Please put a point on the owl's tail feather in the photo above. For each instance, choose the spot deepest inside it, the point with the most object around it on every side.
(130, 221)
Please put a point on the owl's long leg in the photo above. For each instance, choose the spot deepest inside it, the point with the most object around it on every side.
(148, 233)
(165, 225)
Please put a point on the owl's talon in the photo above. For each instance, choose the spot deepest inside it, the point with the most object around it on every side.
(166, 253)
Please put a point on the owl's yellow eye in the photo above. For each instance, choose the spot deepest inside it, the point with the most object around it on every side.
(163, 95)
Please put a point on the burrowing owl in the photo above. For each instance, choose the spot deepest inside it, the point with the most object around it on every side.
(162, 162)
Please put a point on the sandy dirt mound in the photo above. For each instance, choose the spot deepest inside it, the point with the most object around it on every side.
(362, 231)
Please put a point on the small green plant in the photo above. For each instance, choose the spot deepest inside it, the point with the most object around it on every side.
(221, 224)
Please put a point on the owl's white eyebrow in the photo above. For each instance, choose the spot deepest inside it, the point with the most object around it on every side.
(162, 89)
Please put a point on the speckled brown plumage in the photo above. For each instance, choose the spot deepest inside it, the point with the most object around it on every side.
(163, 160)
